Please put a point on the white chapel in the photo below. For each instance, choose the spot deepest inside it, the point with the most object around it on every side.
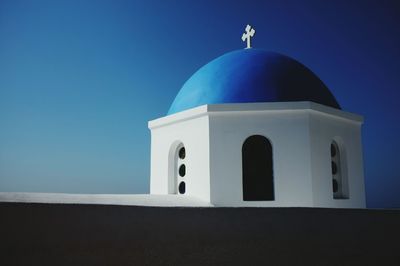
(258, 129)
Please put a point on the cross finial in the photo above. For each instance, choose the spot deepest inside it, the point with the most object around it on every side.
(248, 34)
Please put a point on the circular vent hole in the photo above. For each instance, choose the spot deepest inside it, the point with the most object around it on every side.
(335, 186)
(182, 170)
(182, 153)
(182, 187)
(333, 150)
(334, 168)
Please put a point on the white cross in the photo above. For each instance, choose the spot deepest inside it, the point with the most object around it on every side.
(248, 34)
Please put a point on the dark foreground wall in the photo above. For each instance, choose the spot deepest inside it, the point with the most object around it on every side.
(54, 234)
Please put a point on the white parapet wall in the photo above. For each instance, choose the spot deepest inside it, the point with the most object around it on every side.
(104, 199)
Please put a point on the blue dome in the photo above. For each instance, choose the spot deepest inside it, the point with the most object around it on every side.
(252, 75)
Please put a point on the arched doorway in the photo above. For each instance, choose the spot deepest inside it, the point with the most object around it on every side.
(257, 169)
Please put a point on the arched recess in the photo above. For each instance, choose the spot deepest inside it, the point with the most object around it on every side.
(339, 170)
(176, 168)
(257, 169)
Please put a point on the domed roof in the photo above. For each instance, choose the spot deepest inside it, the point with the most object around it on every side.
(252, 75)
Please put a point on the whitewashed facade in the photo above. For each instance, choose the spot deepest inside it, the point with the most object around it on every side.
(301, 134)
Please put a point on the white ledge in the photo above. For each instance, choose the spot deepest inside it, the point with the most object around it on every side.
(253, 107)
(104, 199)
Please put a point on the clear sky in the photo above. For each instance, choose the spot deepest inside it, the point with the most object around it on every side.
(80, 79)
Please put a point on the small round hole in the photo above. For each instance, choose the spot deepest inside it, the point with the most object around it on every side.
(182, 170)
(182, 153)
(182, 187)
(335, 186)
(334, 168)
(333, 150)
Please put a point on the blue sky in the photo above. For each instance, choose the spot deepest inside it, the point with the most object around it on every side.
(80, 79)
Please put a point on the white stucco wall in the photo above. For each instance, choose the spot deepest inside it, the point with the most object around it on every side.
(194, 135)
(288, 133)
(325, 128)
